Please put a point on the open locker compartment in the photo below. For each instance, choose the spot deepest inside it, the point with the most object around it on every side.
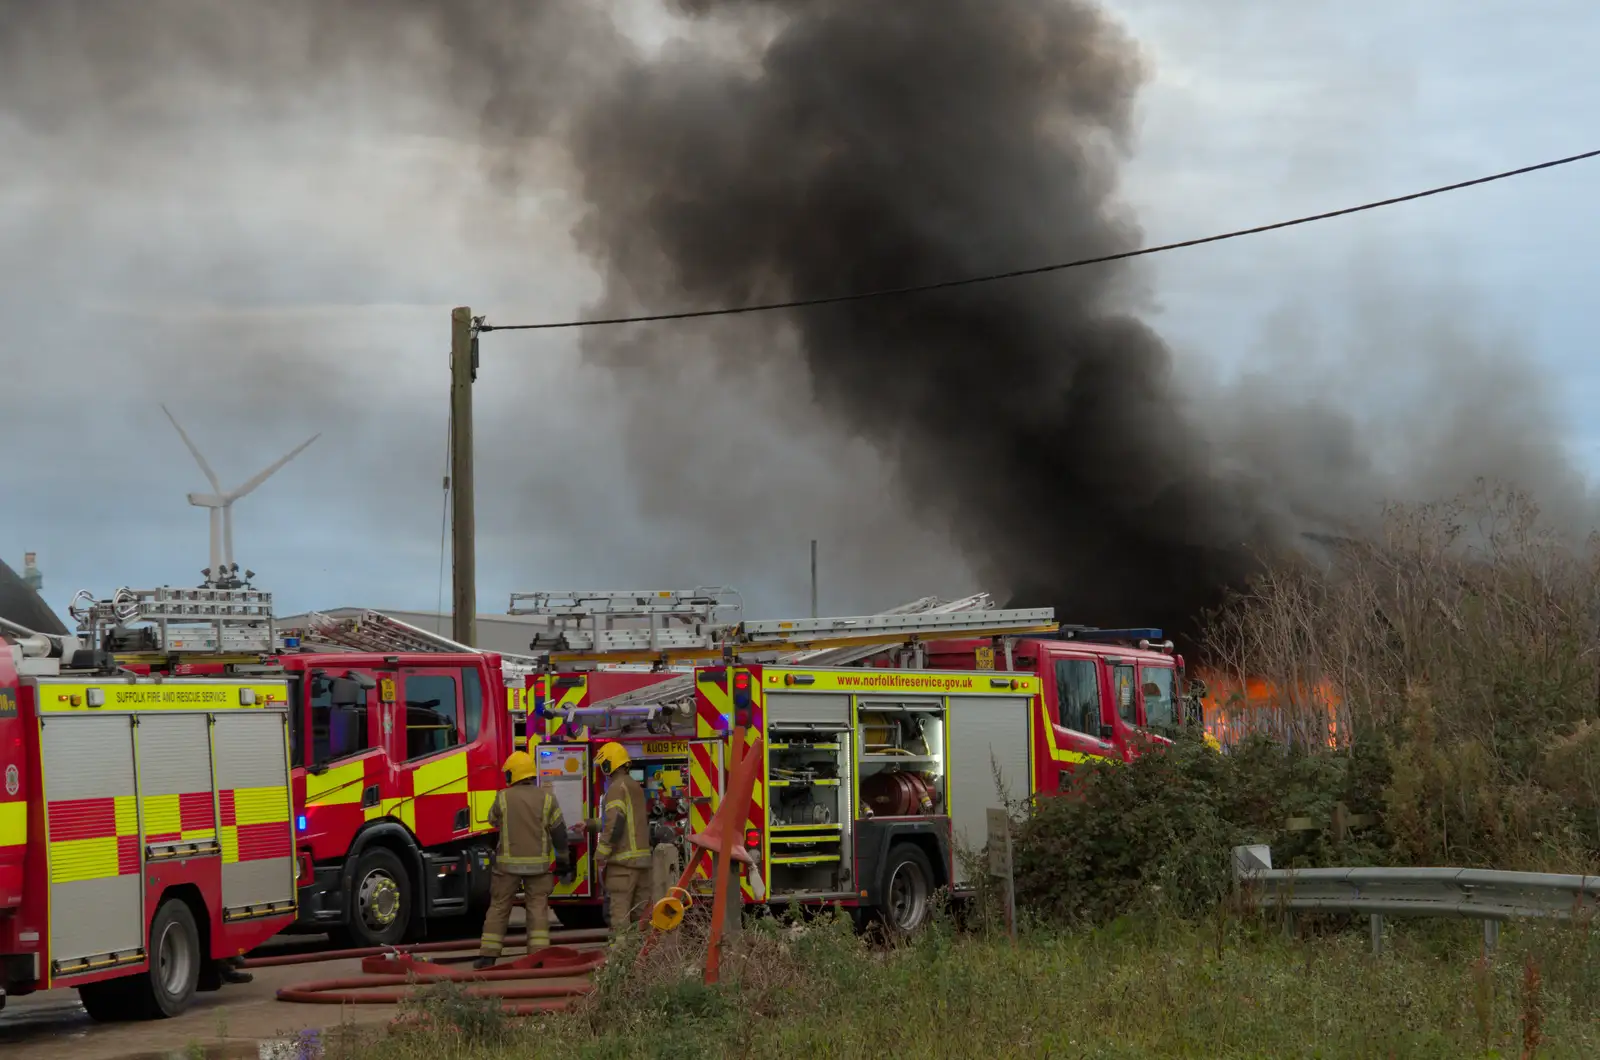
(902, 768)
(808, 790)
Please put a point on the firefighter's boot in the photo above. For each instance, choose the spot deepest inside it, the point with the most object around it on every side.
(232, 971)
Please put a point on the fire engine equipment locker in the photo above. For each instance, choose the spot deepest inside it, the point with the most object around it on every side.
(981, 727)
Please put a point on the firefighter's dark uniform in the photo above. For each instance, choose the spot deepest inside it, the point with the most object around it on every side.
(624, 850)
(531, 829)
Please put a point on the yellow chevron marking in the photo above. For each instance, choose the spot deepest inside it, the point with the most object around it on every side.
(568, 890)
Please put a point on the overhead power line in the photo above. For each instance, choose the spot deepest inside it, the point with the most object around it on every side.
(1037, 270)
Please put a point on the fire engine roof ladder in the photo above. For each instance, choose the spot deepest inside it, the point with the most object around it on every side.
(653, 623)
(583, 626)
(863, 637)
(378, 633)
(169, 621)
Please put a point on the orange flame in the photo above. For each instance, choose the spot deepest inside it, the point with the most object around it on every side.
(1234, 709)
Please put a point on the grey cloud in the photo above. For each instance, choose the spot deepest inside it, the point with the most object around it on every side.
(230, 165)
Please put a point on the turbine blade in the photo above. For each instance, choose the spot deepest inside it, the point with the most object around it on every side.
(211, 476)
(250, 485)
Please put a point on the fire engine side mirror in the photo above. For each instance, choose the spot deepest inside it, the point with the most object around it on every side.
(346, 692)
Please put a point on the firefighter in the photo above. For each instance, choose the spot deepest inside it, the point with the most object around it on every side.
(623, 852)
(531, 827)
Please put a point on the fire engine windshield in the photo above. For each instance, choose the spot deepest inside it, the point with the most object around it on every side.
(1159, 710)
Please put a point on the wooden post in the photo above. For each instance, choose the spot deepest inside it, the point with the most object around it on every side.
(463, 530)
(1000, 863)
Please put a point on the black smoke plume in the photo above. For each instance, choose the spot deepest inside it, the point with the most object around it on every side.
(876, 145)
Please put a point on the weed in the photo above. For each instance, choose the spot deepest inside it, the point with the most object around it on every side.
(453, 1011)
(1138, 986)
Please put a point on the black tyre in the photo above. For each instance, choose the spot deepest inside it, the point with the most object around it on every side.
(907, 889)
(581, 917)
(167, 987)
(380, 902)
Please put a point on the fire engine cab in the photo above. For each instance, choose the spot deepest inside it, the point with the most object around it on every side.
(146, 822)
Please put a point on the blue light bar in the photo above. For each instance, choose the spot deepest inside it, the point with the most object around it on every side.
(1111, 636)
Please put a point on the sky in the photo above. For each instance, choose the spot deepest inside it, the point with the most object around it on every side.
(274, 272)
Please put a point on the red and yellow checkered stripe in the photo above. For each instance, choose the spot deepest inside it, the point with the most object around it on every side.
(93, 839)
(255, 824)
(186, 818)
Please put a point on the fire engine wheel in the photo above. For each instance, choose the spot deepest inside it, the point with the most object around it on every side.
(908, 888)
(380, 900)
(167, 987)
(582, 917)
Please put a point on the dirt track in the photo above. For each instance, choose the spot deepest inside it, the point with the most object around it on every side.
(53, 1025)
(230, 1023)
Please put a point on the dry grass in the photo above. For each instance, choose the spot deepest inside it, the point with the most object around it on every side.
(1462, 643)
(1136, 988)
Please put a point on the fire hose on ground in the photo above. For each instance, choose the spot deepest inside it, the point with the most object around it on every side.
(390, 975)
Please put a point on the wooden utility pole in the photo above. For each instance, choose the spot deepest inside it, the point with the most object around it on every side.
(813, 577)
(464, 557)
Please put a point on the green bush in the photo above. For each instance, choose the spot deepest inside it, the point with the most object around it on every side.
(1158, 833)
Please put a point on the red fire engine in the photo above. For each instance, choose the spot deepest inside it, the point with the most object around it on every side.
(396, 739)
(146, 828)
(873, 776)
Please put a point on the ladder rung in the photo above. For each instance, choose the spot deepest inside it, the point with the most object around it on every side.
(577, 604)
(794, 629)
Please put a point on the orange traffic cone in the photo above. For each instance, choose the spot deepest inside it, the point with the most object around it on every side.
(711, 838)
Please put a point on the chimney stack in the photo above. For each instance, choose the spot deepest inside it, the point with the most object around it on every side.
(30, 571)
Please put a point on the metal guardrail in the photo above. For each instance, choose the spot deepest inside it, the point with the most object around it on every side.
(1489, 895)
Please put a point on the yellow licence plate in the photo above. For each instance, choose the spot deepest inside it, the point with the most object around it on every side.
(666, 747)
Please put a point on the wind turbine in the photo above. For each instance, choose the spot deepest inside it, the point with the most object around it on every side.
(220, 502)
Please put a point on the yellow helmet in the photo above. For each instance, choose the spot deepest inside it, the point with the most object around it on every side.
(520, 767)
(611, 758)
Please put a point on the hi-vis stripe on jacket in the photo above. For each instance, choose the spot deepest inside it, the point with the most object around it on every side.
(625, 831)
(532, 830)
